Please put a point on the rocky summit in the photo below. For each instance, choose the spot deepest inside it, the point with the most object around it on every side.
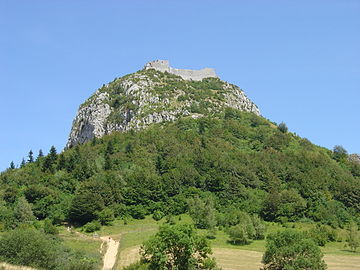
(155, 94)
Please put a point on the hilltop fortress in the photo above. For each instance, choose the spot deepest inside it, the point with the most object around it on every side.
(186, 74)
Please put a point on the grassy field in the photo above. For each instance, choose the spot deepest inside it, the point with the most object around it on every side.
(84, 244)
(228, 256)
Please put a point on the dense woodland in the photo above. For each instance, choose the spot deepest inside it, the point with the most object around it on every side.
(223, 170)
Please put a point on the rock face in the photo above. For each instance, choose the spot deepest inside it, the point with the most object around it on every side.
(354, 158)
(156, 94)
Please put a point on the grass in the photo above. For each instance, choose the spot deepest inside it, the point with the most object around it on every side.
(87, 245)
(229, 256)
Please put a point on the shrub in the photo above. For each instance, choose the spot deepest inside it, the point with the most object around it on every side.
(292, 250)
(49, 227)
(157, 215)
(239, 235)
(29, 247)
(92, 226)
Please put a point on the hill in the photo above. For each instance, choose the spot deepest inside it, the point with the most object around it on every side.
(166, 142)
(239, 159)
(157, 93)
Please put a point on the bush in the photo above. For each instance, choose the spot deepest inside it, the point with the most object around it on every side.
(49, 227)
(292, 250)
(239, 235)
(259, 227)
(157, 215)
(29, 247)
(322, 234)
(92, 226)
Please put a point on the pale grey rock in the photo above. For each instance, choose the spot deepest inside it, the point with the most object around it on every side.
(354, 158)
(89, 122)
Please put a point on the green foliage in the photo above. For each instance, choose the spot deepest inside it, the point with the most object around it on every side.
(106, 216)
(340, 153)
(30, 247)
(12, 165)
(240, 234)
(137, 266)
(353, 237)
(157, 215)
(177, 247)
(292, 250)
(23, 212)
(322, 234)
(202, 212)
(49, 227)
(231, 160)
(92, 226)
(259, 227)
(31, 157)
(282, 127)
(138, 211)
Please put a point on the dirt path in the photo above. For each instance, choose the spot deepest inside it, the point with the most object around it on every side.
(111, 252)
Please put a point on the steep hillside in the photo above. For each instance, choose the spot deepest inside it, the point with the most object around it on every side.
(239, 159)
(154, 95)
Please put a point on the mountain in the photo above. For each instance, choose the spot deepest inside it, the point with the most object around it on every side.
(157, 93)
(205, 152)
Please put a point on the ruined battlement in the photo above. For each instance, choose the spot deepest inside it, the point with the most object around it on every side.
(186, 74)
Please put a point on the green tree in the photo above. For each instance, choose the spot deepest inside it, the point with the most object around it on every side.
(239, 235)
(23, 163)
(40, 155)
(50, 160)
(108, 162)
(106, 216)
(340, 152)
(292, 250)
(23, 212)
(49, 227)
(12, 165)
(282, 127)
(177, 247)
(62, 162)
(353, 237)
(31, 157)
(259, 227)
(202, 212)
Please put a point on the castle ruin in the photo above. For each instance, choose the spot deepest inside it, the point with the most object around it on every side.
(186, 74)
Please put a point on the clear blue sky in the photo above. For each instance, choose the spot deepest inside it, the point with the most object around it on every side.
(299, 61)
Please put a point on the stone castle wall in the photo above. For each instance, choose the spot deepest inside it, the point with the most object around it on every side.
(186, 74)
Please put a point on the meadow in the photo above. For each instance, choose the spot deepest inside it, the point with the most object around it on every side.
(133, 233)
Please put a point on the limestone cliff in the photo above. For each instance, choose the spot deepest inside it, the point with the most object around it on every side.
(155, 94)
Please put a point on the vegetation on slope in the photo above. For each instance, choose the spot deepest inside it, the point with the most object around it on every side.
(234, 166)
(237, 160)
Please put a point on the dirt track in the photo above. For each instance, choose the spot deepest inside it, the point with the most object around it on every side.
(111, 252)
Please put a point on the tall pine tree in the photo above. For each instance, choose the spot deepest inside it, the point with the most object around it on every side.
(31, 157)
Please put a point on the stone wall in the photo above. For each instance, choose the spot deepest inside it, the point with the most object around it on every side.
(186, 74)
